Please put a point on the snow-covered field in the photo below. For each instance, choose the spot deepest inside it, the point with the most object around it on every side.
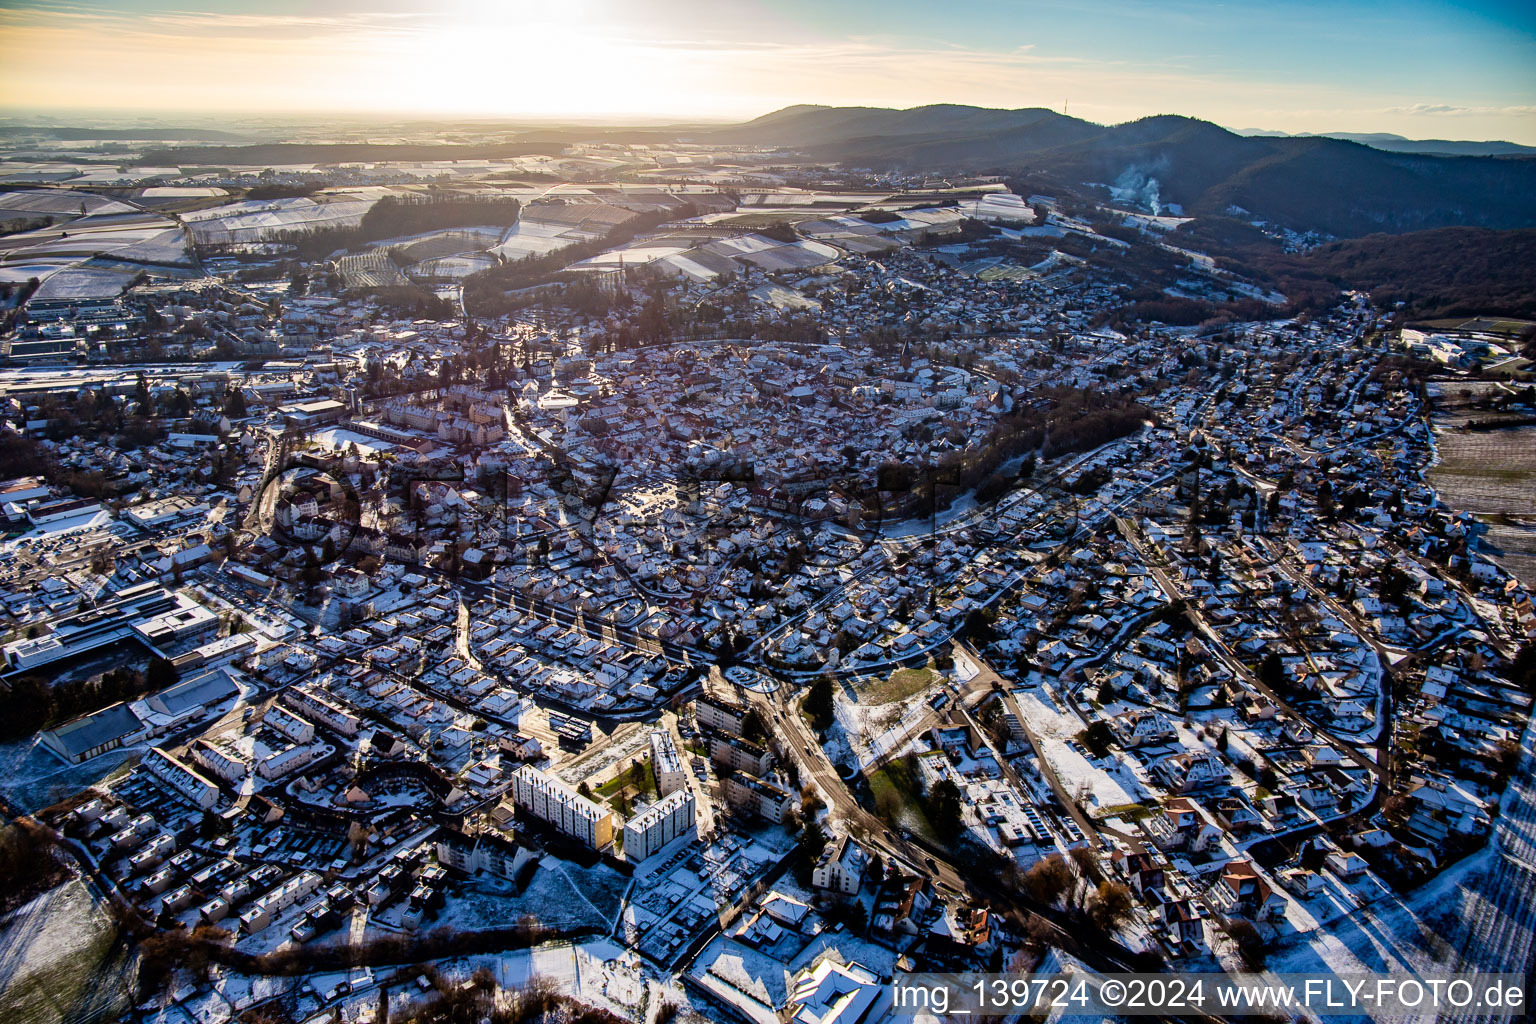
(780, 297)
(561, 895)
(450, 267)
(1398, 933)
(121, 235)
(533, 237)
(870, 731)
(33, 777)
(632, 256)
(58, 960)
(254, 220)
(84, 282)
(59, 202)
(183, 191)
(596, 971)
(1055, 730)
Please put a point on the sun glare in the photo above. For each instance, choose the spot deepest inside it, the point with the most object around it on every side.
(491, 58)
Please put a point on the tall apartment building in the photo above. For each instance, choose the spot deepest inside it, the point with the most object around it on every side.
(656, 826)
(722, 715)
(666, 763)
(561, 807)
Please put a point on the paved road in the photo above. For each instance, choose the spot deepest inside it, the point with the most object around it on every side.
(816, 768)
(1084, 823)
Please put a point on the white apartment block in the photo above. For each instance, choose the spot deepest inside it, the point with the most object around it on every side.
(656, 826)
(757, 796)
(230, 769)
(561, 807)
(726, 716)
(666, 763)
(291, 759)
(477, 854)
(321, 710)
(289, 724)
(740, 755)
(840, 867)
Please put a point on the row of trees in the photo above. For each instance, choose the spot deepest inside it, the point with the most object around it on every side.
(817, 704)
(29, 863)
(1076, 420)
(32, 704)
(397, 216)
(1078, 885)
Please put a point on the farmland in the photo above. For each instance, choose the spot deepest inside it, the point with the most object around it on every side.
(453, 242)
(370, 270)
(258, 220)
(1491, 473)
(94, 253)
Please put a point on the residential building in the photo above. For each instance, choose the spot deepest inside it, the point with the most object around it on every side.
(669, 818)
(481, 853)
(561, 807)
(840, 867)
(756, 796)
(666, 763)
(722, 715)
(180, 779)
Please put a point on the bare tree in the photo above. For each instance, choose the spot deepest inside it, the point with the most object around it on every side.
(1048, 880)
(1111, 905)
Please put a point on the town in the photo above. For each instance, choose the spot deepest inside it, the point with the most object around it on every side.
(718, 586)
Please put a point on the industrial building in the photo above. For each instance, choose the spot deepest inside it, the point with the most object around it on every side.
(147, 613)
(126, 723)
(94, 734)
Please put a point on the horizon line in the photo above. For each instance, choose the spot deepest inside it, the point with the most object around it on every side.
(17, 116)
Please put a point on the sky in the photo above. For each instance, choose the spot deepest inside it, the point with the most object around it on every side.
(1412, 67)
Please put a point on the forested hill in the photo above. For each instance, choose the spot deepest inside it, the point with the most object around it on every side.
(1331, 186)
(1449, 272)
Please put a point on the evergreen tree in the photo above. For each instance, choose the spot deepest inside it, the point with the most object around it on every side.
(944, 808)
(1272, 671)
(752, 728)
(818, 703)
(160, 674)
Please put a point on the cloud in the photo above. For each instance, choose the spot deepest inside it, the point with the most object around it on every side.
(1448, 110)
(189, 26)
